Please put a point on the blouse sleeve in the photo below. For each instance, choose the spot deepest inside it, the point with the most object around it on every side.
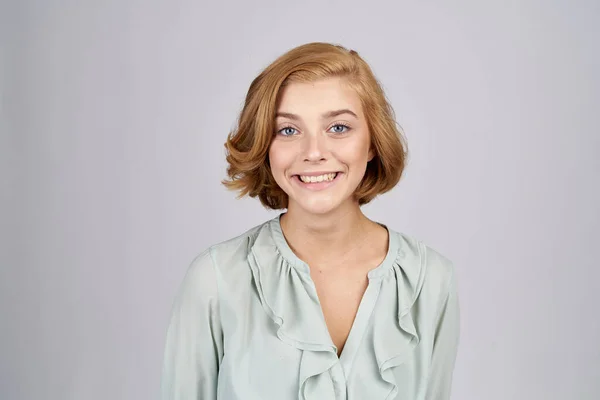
(445, 346)
(194, 342)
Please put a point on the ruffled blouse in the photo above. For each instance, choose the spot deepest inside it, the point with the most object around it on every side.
(247, 324)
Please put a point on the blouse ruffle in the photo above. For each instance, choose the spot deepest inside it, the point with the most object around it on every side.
(289, 298)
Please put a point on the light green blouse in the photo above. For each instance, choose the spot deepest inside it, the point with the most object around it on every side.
(247, 324)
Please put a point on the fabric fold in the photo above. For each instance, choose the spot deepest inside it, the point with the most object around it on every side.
(288, 296)
(313, 383)
(290, 299)
(396, 338)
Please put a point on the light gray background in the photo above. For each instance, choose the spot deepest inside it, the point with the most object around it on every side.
(113, 118)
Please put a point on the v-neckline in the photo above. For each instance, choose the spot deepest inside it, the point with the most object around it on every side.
(359, 325)
(366, 304)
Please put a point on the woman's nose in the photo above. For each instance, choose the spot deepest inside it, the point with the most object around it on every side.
(315, 147)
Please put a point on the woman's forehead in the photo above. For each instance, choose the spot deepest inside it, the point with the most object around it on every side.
(317, 98)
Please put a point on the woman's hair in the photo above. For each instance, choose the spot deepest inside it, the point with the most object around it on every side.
(247, 147)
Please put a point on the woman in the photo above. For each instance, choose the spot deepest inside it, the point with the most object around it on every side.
(319, 302)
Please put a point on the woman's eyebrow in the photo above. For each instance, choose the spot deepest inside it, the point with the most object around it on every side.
(327, 115)
(335, 113)
(287, 115)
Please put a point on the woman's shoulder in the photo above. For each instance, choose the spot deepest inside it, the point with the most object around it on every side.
(219, 261)
(230, 253)
(424, 261)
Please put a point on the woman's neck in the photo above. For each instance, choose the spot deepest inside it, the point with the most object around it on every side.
(327, 239)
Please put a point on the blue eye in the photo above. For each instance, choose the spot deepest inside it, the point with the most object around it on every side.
(340, 128)
(287, 131)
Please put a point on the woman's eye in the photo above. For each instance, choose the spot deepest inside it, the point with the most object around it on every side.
(287, 131)
(339, 128)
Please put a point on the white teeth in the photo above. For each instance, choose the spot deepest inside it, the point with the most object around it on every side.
(320, 178)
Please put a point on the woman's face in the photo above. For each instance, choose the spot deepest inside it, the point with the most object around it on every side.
(321, 145)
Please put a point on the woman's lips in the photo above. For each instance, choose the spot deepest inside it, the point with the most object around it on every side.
(316, 186)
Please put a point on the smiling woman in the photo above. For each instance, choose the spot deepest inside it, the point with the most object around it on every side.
(320, 302)
(354, 95)
(314, 144)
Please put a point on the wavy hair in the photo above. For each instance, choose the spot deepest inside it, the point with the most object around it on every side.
(247, 146)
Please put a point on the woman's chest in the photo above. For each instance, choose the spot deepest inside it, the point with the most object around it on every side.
(266, 358)
(278, 373)
(340, 296)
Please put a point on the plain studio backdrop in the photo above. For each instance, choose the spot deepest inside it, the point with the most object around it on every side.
(113, 119)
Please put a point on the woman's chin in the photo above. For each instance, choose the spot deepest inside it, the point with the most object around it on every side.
(319, 206)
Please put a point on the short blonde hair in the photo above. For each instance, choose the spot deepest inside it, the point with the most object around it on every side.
(247, 146)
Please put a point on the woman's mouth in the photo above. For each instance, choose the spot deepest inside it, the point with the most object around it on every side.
(317, 182)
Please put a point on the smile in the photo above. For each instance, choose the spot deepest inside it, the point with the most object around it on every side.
(318, 178)
(317, 182)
